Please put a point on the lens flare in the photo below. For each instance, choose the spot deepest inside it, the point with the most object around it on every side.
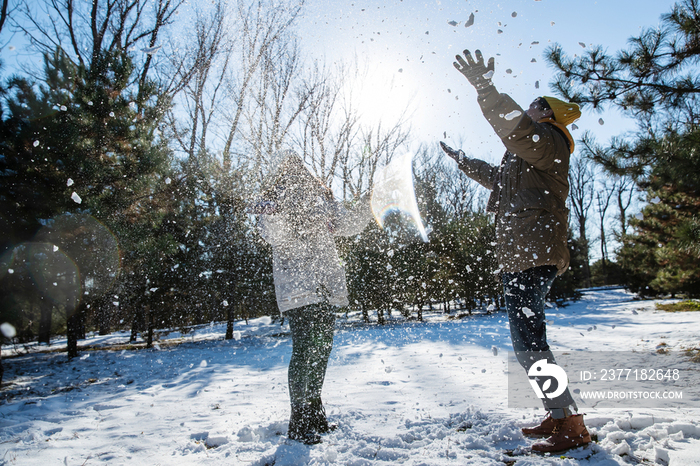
(90, 245)
(393, 192)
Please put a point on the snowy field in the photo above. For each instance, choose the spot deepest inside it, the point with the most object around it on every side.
(399, 394)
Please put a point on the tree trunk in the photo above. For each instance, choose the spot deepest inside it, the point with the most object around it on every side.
(45, 322)
(229, 323)
(149, 322)
(75, 329)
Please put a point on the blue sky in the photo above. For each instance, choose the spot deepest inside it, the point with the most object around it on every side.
(408, 47)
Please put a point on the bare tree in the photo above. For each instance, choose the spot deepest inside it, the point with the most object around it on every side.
(4, 13)
(603, 196)
(581, 193)
(261, 25)
(85, 29)
(624, 193)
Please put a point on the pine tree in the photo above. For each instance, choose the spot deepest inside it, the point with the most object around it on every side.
(81, 155)
(657, 82)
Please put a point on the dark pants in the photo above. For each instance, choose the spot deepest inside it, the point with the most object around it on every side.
(525, 294)
(312, 342)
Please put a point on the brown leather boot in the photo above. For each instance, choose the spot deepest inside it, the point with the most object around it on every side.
(571, 433)
(545, 429)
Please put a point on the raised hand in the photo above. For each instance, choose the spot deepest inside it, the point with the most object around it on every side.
(457, 155)
(478, 74)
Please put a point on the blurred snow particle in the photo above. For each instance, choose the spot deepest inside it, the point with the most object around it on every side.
(500, 31)
(582, 44)
(513, 115)
(470, 21)
(151, 50)
(634, 312)
(85, 356)
(69, 182)
(601, 122)
(8, 330)
(528, 312)
(494, 350)
(203, 363)
(574, 127)
(76, 198)
(639, 216)
(552, 23)
(10, 271)
(400, 70)
(514, 14)
(656, 200)
(63, 108)
(536, 138)
(11, 48)
(488, 75)
(167, 180)
(388, 369)
(537, 84)
(509, 71)
(36, 143)
(90, 103)
(483, 371)
(452, 23)
(111, 114)
(224, 303)
(535, 42)
(55, 248)
(534, 60)
(132, 105)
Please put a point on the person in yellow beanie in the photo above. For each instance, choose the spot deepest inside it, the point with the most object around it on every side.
(528, 198)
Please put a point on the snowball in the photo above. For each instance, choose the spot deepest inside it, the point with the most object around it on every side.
(536, 138)
(470, 21)
(8, 330)
(513, 115)
(76, 198)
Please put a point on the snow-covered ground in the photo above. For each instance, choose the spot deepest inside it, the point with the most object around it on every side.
(399, 394)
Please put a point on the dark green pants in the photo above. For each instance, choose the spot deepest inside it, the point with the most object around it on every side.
(312, 341)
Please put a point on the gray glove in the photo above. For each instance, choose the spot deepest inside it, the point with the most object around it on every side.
(476, 72)
(457, 155)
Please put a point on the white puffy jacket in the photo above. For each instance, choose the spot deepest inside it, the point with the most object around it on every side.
(306, 266)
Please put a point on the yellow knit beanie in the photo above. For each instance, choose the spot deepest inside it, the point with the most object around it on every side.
(564, 112)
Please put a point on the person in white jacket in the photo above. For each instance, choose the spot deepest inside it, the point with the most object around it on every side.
(299, 217)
